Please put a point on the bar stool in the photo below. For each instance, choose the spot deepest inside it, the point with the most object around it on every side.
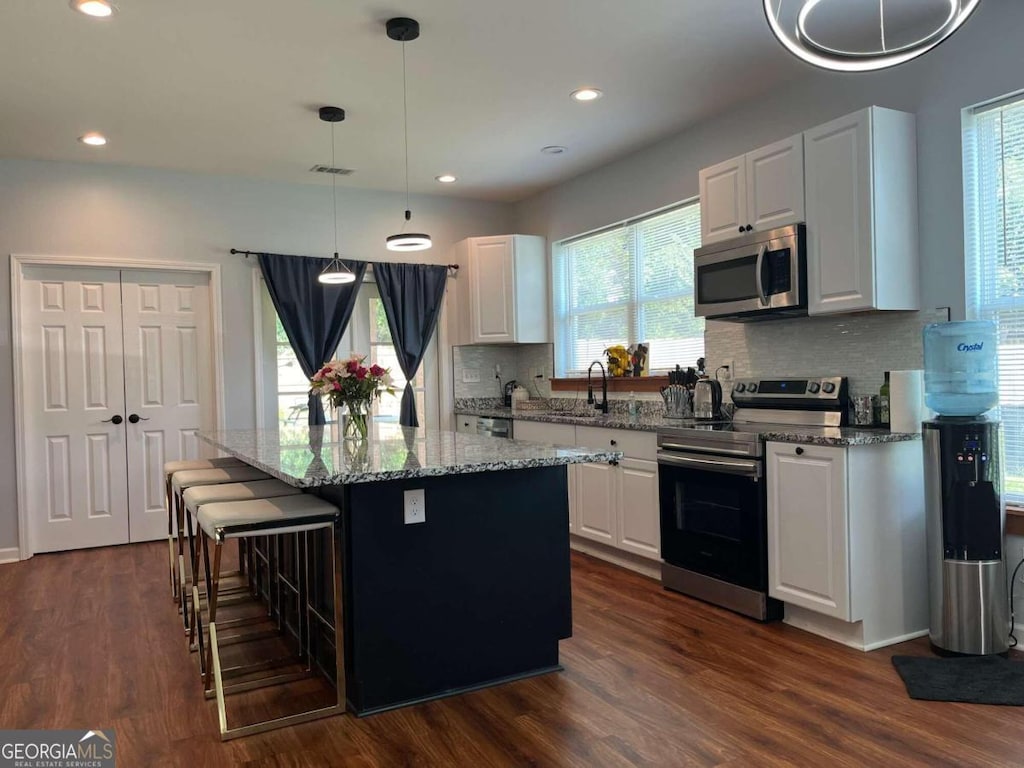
(181, 482)
(170, 468)
(299, 514)
(198, 495)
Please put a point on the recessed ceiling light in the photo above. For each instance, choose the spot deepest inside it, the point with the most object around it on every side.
(99, 9)
(446, 178)
(554, 149)
(586, 94)
(93, 139)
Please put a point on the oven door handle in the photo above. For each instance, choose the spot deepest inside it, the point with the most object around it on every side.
(717, 449)
(758, 280)
(727, 466)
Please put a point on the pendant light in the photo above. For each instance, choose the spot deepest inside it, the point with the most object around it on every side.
(404, 31)
(864, 35)
(335, 273)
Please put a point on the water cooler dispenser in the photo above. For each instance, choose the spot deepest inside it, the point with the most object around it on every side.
(968, 607)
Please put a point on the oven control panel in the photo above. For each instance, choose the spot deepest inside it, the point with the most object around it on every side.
(827, 387)
(792, 392)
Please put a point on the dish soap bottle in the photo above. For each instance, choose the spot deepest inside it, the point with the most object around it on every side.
(883, 403)
(632, 407)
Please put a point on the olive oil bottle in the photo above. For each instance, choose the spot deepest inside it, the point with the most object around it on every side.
(883, 403)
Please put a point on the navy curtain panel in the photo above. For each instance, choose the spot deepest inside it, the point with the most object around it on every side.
(412, 296)
(313, 315)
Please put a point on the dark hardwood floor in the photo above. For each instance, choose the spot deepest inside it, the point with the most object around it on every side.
(90, 639)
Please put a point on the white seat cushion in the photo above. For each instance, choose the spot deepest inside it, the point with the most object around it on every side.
(191, 477)
(180, 466)
(198, 495)
(285, 513)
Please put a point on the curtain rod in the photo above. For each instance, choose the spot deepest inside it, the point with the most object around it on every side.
(452, 268)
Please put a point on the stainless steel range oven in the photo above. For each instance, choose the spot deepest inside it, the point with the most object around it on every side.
(714, 526)
(714, 518)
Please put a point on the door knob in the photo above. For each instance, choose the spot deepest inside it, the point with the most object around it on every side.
(135, 418)
(115, 419)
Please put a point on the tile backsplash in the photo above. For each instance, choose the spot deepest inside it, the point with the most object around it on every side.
(861, 346)
(517, 361)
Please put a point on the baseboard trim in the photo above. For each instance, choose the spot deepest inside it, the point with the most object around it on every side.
(10, 555)
(627, 560)
(894, 640)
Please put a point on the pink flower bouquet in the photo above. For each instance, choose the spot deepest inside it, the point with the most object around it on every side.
(355, 386)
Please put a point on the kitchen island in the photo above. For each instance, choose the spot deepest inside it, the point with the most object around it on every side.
(475, 593)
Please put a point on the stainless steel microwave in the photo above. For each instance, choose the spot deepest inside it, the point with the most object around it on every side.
(753, 277)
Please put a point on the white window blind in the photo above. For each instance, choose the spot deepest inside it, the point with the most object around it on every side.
(994, 219)
(628, 284)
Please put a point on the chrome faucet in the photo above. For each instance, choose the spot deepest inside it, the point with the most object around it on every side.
(603, 405)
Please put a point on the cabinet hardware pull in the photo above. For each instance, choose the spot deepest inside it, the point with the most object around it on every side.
(799, 451)
(741, 228)
(614, 442)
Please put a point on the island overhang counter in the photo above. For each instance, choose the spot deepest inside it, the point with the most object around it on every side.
(476, 594)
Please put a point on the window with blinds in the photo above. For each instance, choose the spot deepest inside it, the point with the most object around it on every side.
(631, 283)
(994, 219)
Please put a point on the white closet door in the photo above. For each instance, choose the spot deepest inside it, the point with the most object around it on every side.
(73, 383)
(168, 383)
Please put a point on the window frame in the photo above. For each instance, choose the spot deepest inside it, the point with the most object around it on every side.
(357, 338)
(636, 302)
(982, 256)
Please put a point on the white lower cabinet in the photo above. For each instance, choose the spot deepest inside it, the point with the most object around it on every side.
(846, 540)
(465, 424)
(595, 502)
(615, 505)
(807, 527)
(639, 528)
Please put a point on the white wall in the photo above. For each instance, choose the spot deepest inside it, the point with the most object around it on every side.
(982, 61)
(69, 209)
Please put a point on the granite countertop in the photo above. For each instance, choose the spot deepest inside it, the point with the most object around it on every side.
(838, 436)
(308, 457)
(642, 423)
(647, 422)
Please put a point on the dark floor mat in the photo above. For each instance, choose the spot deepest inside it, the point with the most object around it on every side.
(973, 679)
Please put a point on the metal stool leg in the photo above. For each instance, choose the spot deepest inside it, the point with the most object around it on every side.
(214, 586)
(216, 673)
(170, 541)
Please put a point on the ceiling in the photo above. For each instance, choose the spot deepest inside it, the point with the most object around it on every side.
(232, 86)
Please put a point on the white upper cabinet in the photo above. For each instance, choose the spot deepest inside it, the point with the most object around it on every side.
(508, 290)
(723, 200)
(775, 184)
(861, 180)
(760, 190)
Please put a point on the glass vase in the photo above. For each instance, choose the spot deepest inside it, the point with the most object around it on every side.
(355, 422)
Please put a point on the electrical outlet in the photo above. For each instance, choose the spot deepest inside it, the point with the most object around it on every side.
(471, 375)
(415, 506)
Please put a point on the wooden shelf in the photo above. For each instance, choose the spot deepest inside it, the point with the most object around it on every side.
(616, 384)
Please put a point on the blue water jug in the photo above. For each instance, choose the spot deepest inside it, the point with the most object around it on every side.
(960, 367)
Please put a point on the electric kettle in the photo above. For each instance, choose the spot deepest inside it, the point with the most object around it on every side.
(707, 399)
